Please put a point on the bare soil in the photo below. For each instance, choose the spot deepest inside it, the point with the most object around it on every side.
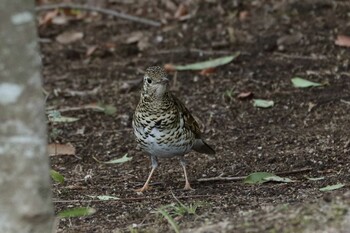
(305, 134)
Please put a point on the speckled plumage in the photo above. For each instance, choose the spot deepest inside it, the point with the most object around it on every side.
(163, 126)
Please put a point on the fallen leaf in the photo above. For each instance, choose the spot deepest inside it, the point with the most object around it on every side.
(315, 178)
(170, 5)
(331, 187)
(243, 16)
(143, 44)
(104, 197)
(134, 37)
(76, 212)
(207, 71)
(206, 64)
(181, 11)
(90, 50)
(60, 149)
(123, 159)
(290, 39)
(303, 83)
(263, 103)
(69, 37)
(245, 95)
(262, 177)
(278, 179)
(109, 109)
(106, 108)
(257, 177)
(47, 17)
(56, 176)
(55, 116)
(342, 40)
(169, 67)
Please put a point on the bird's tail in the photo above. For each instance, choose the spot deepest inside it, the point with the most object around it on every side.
(202, 147)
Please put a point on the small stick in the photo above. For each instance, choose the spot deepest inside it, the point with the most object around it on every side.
(193, 50)
(135, 199)
(100, 10)
(221, 177)
(238, 178)
(84, 107)
(293, 56)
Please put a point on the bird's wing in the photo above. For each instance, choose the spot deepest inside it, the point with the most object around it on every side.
(190, 122)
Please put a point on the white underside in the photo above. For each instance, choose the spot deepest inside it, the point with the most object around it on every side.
(163, 150)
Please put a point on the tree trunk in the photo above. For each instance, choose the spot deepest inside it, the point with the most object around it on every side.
(25, 196)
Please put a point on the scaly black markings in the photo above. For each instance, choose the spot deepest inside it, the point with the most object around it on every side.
(158, 123)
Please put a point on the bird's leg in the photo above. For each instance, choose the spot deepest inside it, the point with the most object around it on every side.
(154, 166)
(183, 164)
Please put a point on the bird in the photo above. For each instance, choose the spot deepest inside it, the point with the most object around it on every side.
(163, 126)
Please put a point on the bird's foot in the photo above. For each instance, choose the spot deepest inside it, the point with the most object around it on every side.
(188, 187)
(141, 190)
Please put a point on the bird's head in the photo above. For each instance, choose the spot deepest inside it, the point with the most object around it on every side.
(155, 82)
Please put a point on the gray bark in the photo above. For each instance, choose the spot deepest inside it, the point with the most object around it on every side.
(25, 196)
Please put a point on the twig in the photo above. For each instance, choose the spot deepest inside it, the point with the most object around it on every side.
(135, 199)
(221, 177)
(184, 50)
(67, 109)
(100, 10)
(305, 169)
(345, 102)
(238, 178)
(82, 93)
(292, 56)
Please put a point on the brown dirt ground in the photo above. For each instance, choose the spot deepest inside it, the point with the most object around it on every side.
(307, 128)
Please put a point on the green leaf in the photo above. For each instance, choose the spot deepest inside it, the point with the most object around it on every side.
(262, 177)
(55, 116)
(76, 212)
(104, 197)
(331, 187)
(123, 159)
(208, 64)
(107, 108)
(56, 176)
(263, 103)
(257, 178)
(314, 178)
(172, 222)
(303, 83)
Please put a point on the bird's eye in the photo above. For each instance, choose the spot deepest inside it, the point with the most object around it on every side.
(149, 80)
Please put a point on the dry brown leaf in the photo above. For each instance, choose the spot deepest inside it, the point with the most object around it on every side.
(342, 40)
(243, 16)
(134, 37)
(69, 37)
(170, 5)
(47, 17)
(181, 11)
(169, 67)
(60, 149)
(143, 44)
(90, 50)
(245, 95)
(207, 71)
(110, 46)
